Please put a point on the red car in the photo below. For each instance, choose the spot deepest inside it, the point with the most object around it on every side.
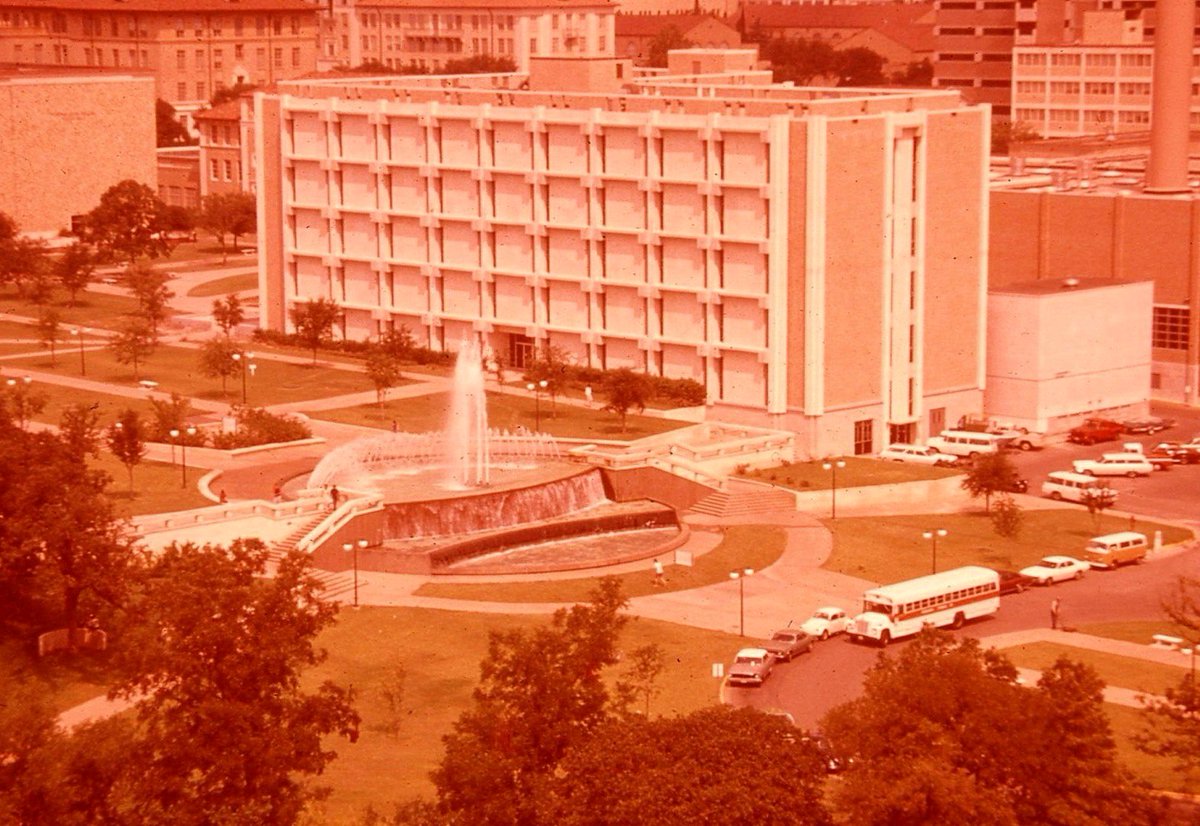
(1096, 430)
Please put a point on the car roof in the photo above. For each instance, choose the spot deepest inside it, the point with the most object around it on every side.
(832, 608)
(752, 652)
(1124, 454)
(1058, 558)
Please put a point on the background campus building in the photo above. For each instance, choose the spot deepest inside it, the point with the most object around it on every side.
(815, 258)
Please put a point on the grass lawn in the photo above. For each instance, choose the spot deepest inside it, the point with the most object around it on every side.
(177, 369)
(744, 546)
(1139, 631)
(505, 411)
(226, 285)
(857, 473)
(1114, 670)
(92, 309)
(109, 406)
(1159, 772)
(440, 653)
(157, 486)
(891, 548)
(65, 680)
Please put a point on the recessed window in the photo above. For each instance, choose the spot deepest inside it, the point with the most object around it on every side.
(1170, 330)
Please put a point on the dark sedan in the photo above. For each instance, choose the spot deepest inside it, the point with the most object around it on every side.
(1013, 582)
(788, 643)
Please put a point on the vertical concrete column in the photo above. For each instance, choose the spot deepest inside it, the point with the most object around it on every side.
(1170, 97)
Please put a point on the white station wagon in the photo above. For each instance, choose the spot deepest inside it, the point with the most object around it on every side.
(917, 454)
(1115, 464)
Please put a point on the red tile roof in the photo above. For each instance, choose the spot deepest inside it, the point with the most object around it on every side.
(648, 25)
(173, 7)
(901, 22)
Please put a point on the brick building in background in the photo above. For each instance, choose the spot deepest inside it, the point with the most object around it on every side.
(814, 258)
(50, 122)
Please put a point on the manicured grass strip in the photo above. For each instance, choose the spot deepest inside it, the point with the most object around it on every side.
(744, 546)
(157, 486)
(440, 652)
(858, 472)
(1139, 631)
(226, 285)
(892, 548)
(506, 412)
(177, 369)
(1159, 772)
(92, 309)
(108, 406)
(1114, 669)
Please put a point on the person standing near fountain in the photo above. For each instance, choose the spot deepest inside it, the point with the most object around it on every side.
(335, 496)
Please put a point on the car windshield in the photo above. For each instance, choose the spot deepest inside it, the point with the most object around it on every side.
(748, 660)
(783, 636)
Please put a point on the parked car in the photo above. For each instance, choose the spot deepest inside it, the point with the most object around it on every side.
(1056, 569)
(1188, 454)
(916, 454)
(788, 643)
(1115, 464)
(1147, 424)
(1163, 459)
(1020, 438)
(1016, 484)
(751, 666)
(1013, 582)
(1095, 430)
(825, 622)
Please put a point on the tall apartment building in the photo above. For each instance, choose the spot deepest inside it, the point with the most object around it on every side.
(1100, 85)
(430, 33)
(193, 49)
(226, 140)
(815, 258)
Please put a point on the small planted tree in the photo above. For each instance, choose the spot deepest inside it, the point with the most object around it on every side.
(626, 391)
(127, 441)
(149, 287)
(383, 369)
(79, 428)
(1007, 517)
(217, 361)
(132, 345)
(989, 474)
(1097, 501)
(50, 331)
(313, 321)
(228, 213)
(641, 677)
(75, 268)
(228, 313)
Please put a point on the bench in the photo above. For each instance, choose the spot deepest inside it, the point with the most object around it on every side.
(1167, 641)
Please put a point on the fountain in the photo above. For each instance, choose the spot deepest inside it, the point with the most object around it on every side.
(468, 490)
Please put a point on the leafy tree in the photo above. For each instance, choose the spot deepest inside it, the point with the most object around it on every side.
(1097, 501)
(919, 73)
(391, 691)
(552, 365)
(168, 130)
(799, 60)
(988, 474)
(256, 426)
(171, 414)
(541, 693)
(942, 734)
(1172, 722)
(228, 213)
(128, 223)
(1007, 135)
(313, 321)
(180, 219)
(217, 361)
(744, 765)
(645, 664)
(667, 39)
(228, 93)
(149, 287)
(50, 332)
(133, 344)
(478, 64)
(22, 262)
(127, 441)
(21, 401)
(1007, 517)
(227, 730)
(75, 268)
(228, 313)
(383, 369)
(79, 428)
(859, 67)
(626, 391)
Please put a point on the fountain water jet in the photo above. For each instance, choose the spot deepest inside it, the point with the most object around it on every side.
(467, 436)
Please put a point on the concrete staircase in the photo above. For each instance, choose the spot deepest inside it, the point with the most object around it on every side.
(334, 584)
(739, 499)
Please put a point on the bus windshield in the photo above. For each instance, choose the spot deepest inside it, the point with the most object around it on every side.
(870, 607)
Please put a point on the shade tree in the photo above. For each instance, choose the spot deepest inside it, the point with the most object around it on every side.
(313, 322)
(75, 268)
(129, 223)
(126, 439)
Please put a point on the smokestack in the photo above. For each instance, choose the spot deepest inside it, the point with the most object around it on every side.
(1170, 99)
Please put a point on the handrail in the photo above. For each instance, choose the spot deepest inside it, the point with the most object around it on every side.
(229, 512)
(338, 519)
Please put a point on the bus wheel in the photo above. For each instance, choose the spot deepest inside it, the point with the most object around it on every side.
(884, 639)
(959, 619)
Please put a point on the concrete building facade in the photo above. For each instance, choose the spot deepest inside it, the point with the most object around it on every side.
(226, 137)
(814, 258)
(50, 169)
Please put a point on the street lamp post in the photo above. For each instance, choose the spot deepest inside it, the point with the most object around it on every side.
(353, 548)
(832, 467)
(175, 435)
(536, 389)
(933, 537)
(245, 361)
(79, 334)
(740, 576)
(18, 389)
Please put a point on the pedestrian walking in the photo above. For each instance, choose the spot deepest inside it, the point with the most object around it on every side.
(660, 581)
(222, 498)
(335, 496)
(1055, 605)
(587, 394)
(277, 494)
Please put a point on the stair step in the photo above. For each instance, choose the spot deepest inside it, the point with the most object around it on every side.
(743, 502)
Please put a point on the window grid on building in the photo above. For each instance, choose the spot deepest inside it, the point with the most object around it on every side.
(1170, 330)
(864, 437)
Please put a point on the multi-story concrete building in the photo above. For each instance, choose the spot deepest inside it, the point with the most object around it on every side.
(193, 49)
(815, 258)
(51, 120)
(430, 33)
(226, 137)
(1100, 85)
(636, 33)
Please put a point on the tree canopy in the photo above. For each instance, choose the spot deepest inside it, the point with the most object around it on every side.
(943, 734)
(313, 321)
(1173, 721)
(168, 130)
(989, 474)
(626, 391)
(128, 223)
(228, 213)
